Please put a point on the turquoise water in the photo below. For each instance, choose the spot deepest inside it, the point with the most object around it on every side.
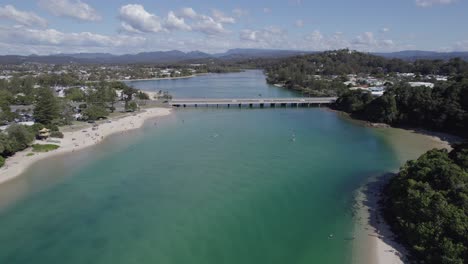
(203, 186)
(248, 84)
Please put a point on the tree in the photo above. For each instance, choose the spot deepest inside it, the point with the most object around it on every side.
(95, 112)
(19, 136)
(426, 205)
(75, 94)
(46, 107)
(131, 106)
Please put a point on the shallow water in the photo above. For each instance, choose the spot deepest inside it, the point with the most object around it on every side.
(203, 186)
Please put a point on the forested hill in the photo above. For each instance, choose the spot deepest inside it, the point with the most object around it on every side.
(323, 74)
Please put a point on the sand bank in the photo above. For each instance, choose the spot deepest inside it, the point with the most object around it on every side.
(374, 241)
(78, 139)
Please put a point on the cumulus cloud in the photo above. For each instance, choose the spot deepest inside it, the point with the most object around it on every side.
(209, 25)
(270, 37)
(53, 37)
(71, 8)
(22, 17)
(368, 42)
(221, 17)
(188, 12)
(174, 22)
(134, 18)
(429, 3)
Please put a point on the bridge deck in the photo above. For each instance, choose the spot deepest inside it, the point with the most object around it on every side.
(252, 101)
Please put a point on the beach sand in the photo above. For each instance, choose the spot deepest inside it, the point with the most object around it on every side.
(78, 139)
(374, 241)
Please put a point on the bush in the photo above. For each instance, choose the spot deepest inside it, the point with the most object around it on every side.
(56, 134)
(44, 147)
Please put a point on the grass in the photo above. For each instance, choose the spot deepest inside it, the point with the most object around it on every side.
(44, 147)
(29, 154)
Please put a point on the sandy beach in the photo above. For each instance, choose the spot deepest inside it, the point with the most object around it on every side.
(374, 241)
(78, 139)
(162, 78)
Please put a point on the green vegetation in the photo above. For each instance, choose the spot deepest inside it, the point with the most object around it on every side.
(2, 161)
(442, 108)
(44, 147)
(95, 112)
(131, 107)
(427, 205)
(323, 74)
(16, 138)
(46, 108)
(29, 154)
(56, 134)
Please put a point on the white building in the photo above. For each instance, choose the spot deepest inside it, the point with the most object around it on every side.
(419, 84)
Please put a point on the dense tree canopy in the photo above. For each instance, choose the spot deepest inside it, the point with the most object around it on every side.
(443, 108)
(427, 205)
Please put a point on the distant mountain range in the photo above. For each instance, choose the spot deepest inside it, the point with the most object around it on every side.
(176, 56)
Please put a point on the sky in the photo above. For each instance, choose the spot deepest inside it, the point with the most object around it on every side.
(123, 26)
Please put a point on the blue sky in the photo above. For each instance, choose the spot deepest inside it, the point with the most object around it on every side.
(122, 26)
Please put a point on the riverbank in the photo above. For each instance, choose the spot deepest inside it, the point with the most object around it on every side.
(374, 241)
(163, 78)
(77, 138)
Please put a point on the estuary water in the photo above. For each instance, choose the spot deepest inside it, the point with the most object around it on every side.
(204, 186)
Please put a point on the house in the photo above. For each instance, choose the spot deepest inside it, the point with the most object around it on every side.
(44, 133)
(419, 84)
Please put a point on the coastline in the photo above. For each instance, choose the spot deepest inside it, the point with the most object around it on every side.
(78, 140)
(374, 241)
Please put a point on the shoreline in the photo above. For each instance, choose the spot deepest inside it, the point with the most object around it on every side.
(375, 242)
(163, 78)
(77, 140)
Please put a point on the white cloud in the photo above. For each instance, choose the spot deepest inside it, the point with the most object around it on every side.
(429, 3)
(206, 24)
(22, 17)
(134, 18)
(221, 17)
(299, 23)
(209, 26)
(52, 37)
(266, 10)
(367, 42)
(270, 37)
(188, 12)
(71, 8)
(174, 22)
